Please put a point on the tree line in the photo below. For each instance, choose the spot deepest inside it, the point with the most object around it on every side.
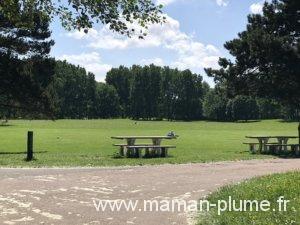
(149, 93)
(219, 107)
(152, 92)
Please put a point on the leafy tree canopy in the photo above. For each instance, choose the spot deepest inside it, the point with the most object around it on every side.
(267, 58)
(83, 14)
(25, 70)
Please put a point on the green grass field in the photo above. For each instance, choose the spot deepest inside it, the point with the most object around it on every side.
(88, 142)
(268, 188)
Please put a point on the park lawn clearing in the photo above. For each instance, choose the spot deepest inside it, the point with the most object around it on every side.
(268, 188)
(72, 143)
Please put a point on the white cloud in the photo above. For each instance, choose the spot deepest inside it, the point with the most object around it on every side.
(90, 61)
(168, 2)
(257, 8)
(81, 34)
(190, 53)
(222, 2)
(164, 2)
(155, 61)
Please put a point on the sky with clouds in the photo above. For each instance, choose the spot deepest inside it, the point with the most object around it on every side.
(192, 38)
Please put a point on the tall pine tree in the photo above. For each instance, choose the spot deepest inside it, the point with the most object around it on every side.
(25, 70)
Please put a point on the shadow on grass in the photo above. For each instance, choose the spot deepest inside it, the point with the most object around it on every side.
(136, 121)
(289, 121)
(282, 156)
(230, 121)
(287, 155)
(243, 152)
(118, 156)
(20, 153)
(30, 160)
(6, 125)
(247, 121)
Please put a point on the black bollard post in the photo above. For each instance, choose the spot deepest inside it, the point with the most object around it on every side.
(299, 132)
(29, 146)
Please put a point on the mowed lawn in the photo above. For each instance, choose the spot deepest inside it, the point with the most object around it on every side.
(268, 188)
(88, 142)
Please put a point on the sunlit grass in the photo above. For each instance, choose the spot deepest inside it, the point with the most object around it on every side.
(268, 188)
(88, 142)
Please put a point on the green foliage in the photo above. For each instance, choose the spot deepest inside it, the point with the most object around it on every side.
(107, 102)
(155, 92)
(269, 109)
(291, 113)
(267, 62)
(121, 78)
(73, 14)
(187, 96)
(24, 30)
(137, 95)
(205, 88)
(265, 188)
(214, 106)
(80, 96)
(26, 72)
(242, 108)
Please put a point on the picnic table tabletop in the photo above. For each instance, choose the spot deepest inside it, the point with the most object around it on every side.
(143, 137)
(278, 136)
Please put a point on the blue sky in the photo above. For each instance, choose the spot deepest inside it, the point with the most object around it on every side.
(192, 38)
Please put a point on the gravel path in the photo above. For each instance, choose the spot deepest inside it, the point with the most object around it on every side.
(65, 196)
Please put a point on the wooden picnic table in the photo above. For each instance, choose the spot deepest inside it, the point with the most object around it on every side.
(131, 143)
(263, 140)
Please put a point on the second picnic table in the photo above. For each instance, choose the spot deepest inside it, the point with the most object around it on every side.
(263, 140)
(133, 149)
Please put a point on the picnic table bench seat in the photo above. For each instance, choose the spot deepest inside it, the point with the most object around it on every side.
(150, 150)
(252, 146)
(277, 148)
(139, 144)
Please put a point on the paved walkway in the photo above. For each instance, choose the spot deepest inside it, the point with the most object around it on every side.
(65, 196)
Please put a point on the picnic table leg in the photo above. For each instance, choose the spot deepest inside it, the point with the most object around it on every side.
(164, 152)
(137, 152)
(262, 144)
(140, 153)
(156, 142)
(279, 148)
(147, 152)
(252, 148)
(260, 148)
(285, 142)
(282, 141)
(293, 150)
(130, 152)
(265, 141)
(122, 151)
(297, 149)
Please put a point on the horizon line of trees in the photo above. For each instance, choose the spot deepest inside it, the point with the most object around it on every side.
(149, 93)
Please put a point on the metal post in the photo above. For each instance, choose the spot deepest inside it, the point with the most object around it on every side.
(29, 146)
(299, 132)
